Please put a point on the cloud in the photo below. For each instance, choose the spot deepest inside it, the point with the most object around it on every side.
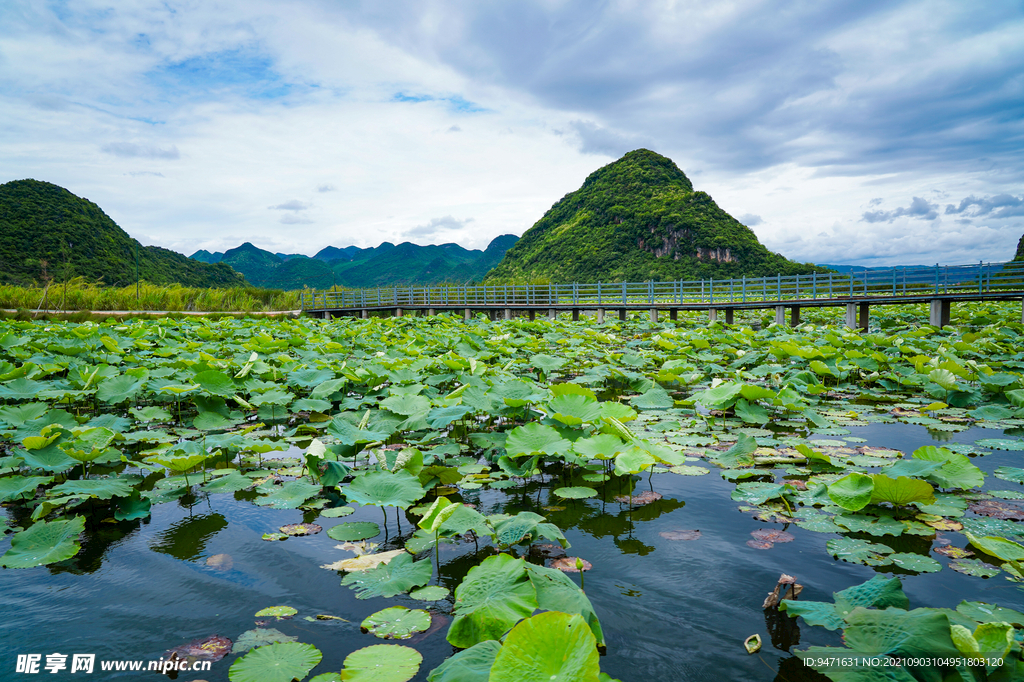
(326, 188)
(594, 139)
(455, 129)
(293, 205)
(998, 206)
(876, 201)
(919, 208)
(436, 226)
(295, 220)
(749, 219)
(136, 174)
(133, 150)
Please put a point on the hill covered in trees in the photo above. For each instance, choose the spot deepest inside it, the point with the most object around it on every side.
(45, 226)
(1020, 250)
(385, 265)
(636, 219)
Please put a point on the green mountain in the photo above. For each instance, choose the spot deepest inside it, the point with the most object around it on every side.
(637, 219)
(44, 225)
(385, 265)
(205, 256)
(1020, 250)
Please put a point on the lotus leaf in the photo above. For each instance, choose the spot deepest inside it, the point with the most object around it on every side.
(291, 495)
(920, 632)
(357, 530)
(493, 597)
(576, 493)
(118, 389)
(739, 455)
(633, 461)
(400, 489)
(280, 662)
(464, 519)
(469, 665)
(251, 639)
(915, 562)
(430, 593)
(103, 488)
(21, 487)
(441, 417)
(656, 398)
(228, 483)
(814, 613)
(989, 613)
(396, 622)
(363, 561)
(1000, 444)
(756, 493)
(858, 551)
(132, 507)
(277, 611)
(535, 438)
(549, 646)
(1001, 548)
(398, 576)
(44, 543)
(381, 663)
(852, 492)
(956, 470)
(557, 592)
(1013, 474)
(901, 491)
(974, 567)
(336, 512)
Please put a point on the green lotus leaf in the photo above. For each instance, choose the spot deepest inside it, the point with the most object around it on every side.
(349, 434)
(150, 414)
(944, 378)
(16, 415)
(281, 662)
(526, 526)
(535, 438)
(351, 532)
(462, 520)
(879, 592)
(754, 492)
(546, 363)
(721, 397)
(873, 525)
(817, 613)
(858, 551)
(229, 483)
(956, 470)
(656, 398)
(441, 417)
(557, 592)
(494, 596)
(327, 389)
(250, 639)
(407, 405)
(336, 512)
(1001, 444)
(751, 413)
(990, 613)
(45, 542)
(911, 468)
(51, 458)
(1001, 548)
(381, 663)
(901, 491)
(549, 646)
(975, 567)
(633, 460)
(574, 410)
(396, 622)
(277, 612)
(21, 487)
(216, 382)
(899, 633)
(852, 492)
(119, 389)
(601, 446)
(398, 576)
(102, 488)
(741, 454)
(820, 523)
(430, 593)
(21, 389)
(132, 507)
(437, 513)
(991, 413)
(915, 562)
(400, 489)
(575, 493)
(291, 495)
(469, 665)
(1012, 474)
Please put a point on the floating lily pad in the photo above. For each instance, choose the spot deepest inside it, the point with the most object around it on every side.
(974, 567)
(430, 593)
(336, 512)
(688, 470)
(294, 529)
(399, 575)
(281, 662)
(858, 551)
(364, 562)
(396, 622)
(250, 639)
(211, 648)
(357, 530)
(1012, 474)
(953, 552)
(915, 562)
(1001, 444)
(270, 537)
(569, 564)
(381, 663)
(575, 493)
(760, 544)
(277, 611)
(45, 542)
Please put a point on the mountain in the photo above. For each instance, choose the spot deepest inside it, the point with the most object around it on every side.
(43, 224)
(636, 219)
(1020, 250)
(205, 256)
(385, 265)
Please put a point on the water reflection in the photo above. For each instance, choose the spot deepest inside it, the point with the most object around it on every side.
(186, 539)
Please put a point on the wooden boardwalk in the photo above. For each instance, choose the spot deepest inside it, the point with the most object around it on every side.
(939, 286)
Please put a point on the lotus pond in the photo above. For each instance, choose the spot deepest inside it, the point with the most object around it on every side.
(425, 498)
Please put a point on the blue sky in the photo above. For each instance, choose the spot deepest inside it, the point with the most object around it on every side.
(844, 132)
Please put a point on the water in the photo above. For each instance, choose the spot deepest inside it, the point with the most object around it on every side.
(671, 610)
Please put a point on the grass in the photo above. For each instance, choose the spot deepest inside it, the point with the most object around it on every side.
(82, 295)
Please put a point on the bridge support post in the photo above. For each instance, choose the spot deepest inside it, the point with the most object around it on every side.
(939, 312)
(654, 315)
(851, 315)
(533, 314)
(780, 315)
(508, 313)
(364, 313)
(712, 315)
(552, 314)
(673, 314)
(622, 314)
(398, 312)
(430, 312)
(600, 315)
(865, 316)
(729, 315)
(794, 316)
(575, 314)
(465, 314)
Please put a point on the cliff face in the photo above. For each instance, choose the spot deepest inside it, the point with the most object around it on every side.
(636, 219)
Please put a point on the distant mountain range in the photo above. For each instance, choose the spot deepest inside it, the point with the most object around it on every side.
(636, 219)
(351, 266)
(1020, 250)
(48, 233)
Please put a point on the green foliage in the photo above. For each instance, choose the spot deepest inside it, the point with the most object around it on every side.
(45, 225)
(636, 219)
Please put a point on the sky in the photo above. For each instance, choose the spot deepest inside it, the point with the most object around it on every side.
(861, 132)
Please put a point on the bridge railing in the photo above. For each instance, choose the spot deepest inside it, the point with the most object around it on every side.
(979, 278)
